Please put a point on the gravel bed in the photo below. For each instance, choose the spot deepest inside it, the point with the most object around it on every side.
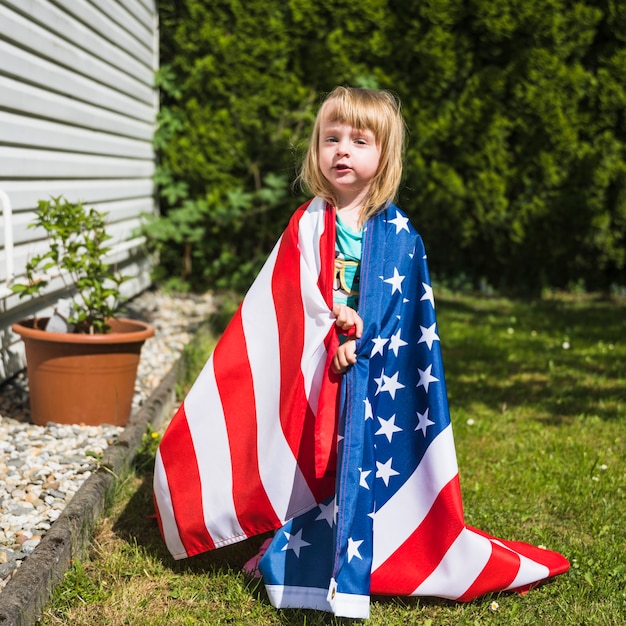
(41, 468)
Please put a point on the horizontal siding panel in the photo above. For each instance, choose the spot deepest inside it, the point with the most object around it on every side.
(137, 266)
(120, 211)
(138, 45)
(120, 233)
(141, 13)
(24, 131)
(34, 101)
(116, 12)
(47, 45)
(23, 163)
(77, 117)
(74, 34)
(117, 211)
(19, 63)
(24, 194)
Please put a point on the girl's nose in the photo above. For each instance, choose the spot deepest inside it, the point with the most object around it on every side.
(342, 147)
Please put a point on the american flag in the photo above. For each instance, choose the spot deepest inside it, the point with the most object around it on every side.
(255, 444)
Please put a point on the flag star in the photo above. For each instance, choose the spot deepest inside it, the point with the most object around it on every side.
(295, 542)
(353, 549)
(385, 471)
(428, 335)
(423, 422)
(369, 415)
(327, 513)
(428, 294)
(391, 384)
(388, 427)
(364, 475)
(396, 342)
(426, 378)
(395, 281)
(400, 222)
(379, 344)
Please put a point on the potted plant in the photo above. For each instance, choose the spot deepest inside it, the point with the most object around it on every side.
(82, 362)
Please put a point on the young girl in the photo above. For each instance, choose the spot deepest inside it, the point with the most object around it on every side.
(323, 410)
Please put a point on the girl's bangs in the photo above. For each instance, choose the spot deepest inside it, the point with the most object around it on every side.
(361, 113)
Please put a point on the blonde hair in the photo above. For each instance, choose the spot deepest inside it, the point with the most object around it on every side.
(364, 109)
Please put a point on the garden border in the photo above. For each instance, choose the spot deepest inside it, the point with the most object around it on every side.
(29, 590)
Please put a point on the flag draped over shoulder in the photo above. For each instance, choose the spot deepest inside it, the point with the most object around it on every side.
(253, 446)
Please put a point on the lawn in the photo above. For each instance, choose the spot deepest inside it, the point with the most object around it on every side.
(538, 398)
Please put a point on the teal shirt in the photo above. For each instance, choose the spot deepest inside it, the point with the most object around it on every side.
(348, 245)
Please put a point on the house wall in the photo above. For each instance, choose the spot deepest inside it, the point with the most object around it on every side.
(77, 116)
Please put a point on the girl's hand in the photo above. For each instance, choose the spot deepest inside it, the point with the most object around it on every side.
(346, 318)
(344, 357)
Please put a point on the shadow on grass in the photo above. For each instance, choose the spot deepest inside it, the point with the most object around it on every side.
(136, 524)
(511, 354)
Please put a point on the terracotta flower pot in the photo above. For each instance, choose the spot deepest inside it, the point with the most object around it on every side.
(82, 379)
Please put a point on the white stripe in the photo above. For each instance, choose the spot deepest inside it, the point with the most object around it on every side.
(166, 512)
(292, 597)
(529, 572)
(282, 478)
(207, 426)
(396, 521)
(459, 568)
(317, 316)
(344, 604)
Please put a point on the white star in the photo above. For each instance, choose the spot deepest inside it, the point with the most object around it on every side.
(364, 475)
(353, 549)
(426, 378)
(327, 512)
(379, 344)
(396, 342)
(388, 427)
(385, 471)
(428, 336)
(391, 384)
(400, 222)
(428, 294)
(423, 422)
(395, 281)
(294, 542)
(368, 409)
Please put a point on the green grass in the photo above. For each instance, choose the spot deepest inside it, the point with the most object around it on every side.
(538, 398)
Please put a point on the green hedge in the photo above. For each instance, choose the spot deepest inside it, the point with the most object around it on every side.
(516, 161)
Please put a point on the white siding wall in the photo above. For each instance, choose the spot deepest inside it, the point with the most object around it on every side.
(77, 115)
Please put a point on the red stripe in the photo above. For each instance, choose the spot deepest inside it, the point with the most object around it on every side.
(290, 321)
(327, 417)
(416, 559)
(186, 493)
(499, 572)
(234, 382)
(300, 434)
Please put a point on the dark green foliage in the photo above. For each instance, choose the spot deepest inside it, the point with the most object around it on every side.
(516, 160)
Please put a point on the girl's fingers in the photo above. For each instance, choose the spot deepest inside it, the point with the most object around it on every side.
(346, 318)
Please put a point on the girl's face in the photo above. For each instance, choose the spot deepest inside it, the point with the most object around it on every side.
(349, 160)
